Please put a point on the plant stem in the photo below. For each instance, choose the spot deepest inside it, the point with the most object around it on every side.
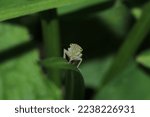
(50, 28)
(129, 47)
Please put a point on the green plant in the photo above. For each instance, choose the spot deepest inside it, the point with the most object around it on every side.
(33, 34)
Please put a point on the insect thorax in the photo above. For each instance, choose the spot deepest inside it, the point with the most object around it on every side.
(74, 51)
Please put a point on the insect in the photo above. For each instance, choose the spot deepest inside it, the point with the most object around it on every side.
(74, 53)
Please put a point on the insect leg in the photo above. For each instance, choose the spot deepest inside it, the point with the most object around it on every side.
(80, 60)
(64, 53)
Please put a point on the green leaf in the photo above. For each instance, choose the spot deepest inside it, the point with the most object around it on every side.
(15, 8)
(144, 58)
(137, 12)
(74, 86)
(74, 82)
(7, 39)
(58, 63)
(20, 75)
(131, 84)
(117, 18)
(94, 71)
(80, 5)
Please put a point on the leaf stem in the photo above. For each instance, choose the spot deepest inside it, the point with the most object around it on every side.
(50, 29)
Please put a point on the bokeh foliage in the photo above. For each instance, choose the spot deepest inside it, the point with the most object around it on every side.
(114, 35)
(20, 75)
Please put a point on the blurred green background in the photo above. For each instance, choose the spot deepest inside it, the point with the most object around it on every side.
(114, 35)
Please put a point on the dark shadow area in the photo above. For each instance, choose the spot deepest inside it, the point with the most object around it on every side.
(134, 3)
(89, 93)
(16, 51)
(92, 34)
(144, 45)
